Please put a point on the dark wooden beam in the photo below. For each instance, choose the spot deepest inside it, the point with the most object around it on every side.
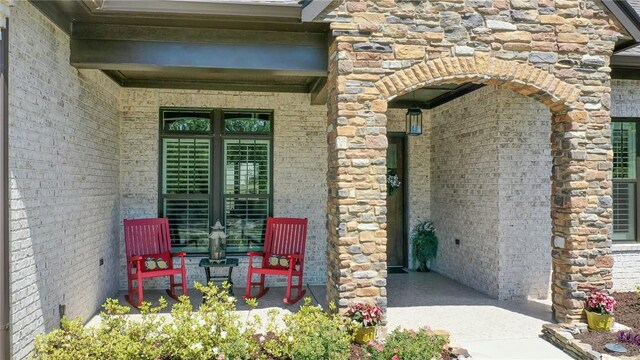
(625, 61)
(92, 31)
(625, 73)
(148, 48)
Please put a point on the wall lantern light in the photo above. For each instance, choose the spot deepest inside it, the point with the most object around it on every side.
(414, 121)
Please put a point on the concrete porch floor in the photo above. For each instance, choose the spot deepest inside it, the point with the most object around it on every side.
(487, 328)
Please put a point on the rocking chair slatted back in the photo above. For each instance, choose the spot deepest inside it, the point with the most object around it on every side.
(146, 236)
(285, 236)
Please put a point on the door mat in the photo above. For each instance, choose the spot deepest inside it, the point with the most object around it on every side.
(396, 270)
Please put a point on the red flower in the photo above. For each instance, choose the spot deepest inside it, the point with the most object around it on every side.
(600, 302)
(365, 314)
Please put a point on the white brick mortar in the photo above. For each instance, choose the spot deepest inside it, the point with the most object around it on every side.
(63, 159)
(490, 188)
(299, 166)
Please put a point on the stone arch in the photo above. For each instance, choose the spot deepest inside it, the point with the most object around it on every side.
(558, 95)
(574, 226)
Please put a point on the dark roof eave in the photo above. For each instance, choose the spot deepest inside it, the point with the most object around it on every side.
(629, 19)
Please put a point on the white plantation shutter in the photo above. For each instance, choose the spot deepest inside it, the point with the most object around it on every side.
(246, 192)
(623, 210)
(186, 166)
(623, 138)
(185, 190)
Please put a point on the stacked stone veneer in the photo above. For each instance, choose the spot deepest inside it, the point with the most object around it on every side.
(299, 165)
(554, 51)
(63, 161)
(490, 163)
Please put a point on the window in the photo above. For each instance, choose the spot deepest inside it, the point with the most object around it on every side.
(215, 165)
(624, 138)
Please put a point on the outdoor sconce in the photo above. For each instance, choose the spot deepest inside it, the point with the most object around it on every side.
(414, 121)
(217, 243)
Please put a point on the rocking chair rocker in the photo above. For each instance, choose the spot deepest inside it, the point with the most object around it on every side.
(283, 255)
(148, 247)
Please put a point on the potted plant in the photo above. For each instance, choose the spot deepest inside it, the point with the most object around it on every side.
(599, 309)
(425, 244)
(365, 317)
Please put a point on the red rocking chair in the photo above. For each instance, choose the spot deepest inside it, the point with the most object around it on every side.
(283, 255)
(148, 247)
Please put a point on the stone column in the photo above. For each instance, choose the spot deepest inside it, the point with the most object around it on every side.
(356, 207)
(581, 207)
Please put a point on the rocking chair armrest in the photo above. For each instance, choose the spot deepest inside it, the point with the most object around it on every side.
(255, 253)
(295, 256)
(179, 254)
(135, 258)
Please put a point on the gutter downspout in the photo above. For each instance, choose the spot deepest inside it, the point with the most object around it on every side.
(5, 295)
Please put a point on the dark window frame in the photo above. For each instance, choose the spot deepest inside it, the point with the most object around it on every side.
(217, 136)
(635, 181)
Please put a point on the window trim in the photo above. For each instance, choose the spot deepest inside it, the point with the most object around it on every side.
(629, 181)
(217, 136)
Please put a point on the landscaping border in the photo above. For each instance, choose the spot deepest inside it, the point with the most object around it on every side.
(561, 335)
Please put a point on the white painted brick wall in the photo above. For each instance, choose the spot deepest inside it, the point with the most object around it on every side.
(524, 190)
(299, 167)
(490, 188)
(625, 102)
(464, 189)
(63, 159)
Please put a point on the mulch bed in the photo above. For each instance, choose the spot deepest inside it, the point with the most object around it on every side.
(626, 313)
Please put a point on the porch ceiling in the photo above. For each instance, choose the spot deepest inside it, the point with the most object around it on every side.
(431, 97)
(245, 45)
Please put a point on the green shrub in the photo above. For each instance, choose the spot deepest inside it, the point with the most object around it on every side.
(310, 334)
(407, 345)
(213, 332)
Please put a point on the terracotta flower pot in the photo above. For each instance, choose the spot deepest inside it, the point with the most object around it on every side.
(365, 334)
(599, 322)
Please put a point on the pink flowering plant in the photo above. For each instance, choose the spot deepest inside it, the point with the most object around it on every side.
(601, 303)
(365, 314)
(404, 344)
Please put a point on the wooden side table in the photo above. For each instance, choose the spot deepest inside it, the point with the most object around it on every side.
(229, 263)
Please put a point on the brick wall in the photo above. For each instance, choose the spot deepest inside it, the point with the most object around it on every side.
(490, 166)
(626, 266)
(299, 166)
(63, 160)
(464, 189)
(524, 191)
